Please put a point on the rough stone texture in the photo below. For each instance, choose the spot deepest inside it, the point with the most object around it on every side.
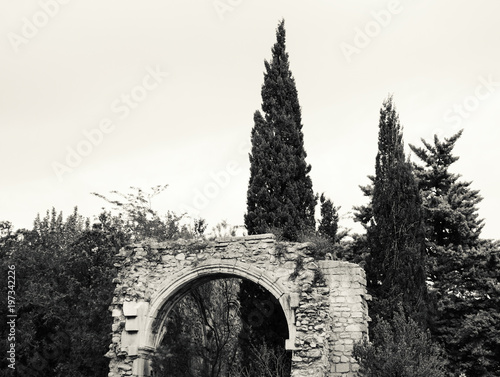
(324, 301)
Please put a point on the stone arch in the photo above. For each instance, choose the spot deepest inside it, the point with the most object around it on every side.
(174, 289)
(324, 301)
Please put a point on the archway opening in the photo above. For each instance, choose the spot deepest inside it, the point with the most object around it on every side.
(215, 326)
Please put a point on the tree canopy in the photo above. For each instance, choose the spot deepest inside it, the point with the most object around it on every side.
(396, 262)
(280, 195)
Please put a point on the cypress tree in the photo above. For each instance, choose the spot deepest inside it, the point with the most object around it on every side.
(396, 263)
(280, 195)
(329, 222)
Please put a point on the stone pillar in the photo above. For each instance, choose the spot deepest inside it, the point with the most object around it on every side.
(310, 359)
(348, 313)
(128, 355)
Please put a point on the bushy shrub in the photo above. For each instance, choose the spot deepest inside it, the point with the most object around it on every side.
(399, 348)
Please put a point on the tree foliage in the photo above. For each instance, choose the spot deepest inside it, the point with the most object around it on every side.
(329, 222)
(463, 269)
(201, 334)
(64, 271)
(280, 194)
(450, 205)
(396, 262)
(280, 198)
(140, 221)
(399, 348)
(264, 331)
(466, 291)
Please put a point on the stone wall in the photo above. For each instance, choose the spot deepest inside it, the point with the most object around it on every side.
(324, 301)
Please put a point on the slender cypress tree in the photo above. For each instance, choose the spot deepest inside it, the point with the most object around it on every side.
(280, 195)
(396, 264)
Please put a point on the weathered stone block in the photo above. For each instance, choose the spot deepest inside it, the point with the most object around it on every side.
(116, 312)
(342, 367)
(129, 309)
(180, 256)
(132, 324)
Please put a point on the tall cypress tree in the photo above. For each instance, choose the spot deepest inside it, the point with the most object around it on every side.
(280, 195)
(396, 264)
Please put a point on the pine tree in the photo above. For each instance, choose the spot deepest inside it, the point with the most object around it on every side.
(395, 266)
(280, 195)
(450, 205)
(463, 269)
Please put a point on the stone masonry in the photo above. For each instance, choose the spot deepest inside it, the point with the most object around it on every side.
(324, 301)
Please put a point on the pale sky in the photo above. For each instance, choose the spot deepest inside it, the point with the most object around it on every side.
(103, 95)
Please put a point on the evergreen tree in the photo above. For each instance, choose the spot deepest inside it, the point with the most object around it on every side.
(466, 290)
(280, 198)
(400, 348)
(329, 222)
(364, 213)
(395, 266)
(450, 205)
(464, 270)
(280, 195)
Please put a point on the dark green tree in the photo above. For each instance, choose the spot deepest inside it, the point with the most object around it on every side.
(64, 272)
(364, 213)
(329, 222)
(466, 321)
(400, 348)
(396, 262)
(450, 205)
(264, 329)
(463, 268)
(64, 275)
(280, 195)
(280, 198)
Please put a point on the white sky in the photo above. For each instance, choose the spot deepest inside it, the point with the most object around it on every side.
(68, 75)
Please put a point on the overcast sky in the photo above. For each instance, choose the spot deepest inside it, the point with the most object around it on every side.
(103, 95)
